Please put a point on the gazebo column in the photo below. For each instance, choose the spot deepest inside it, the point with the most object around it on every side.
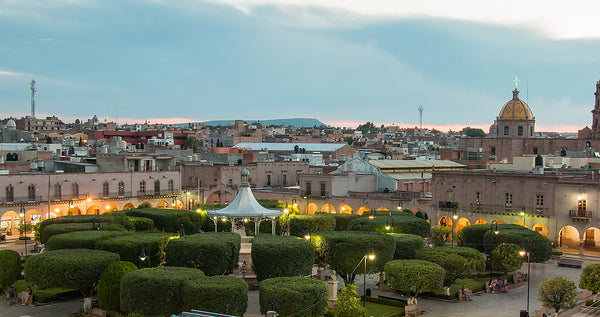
(215, 221)
(256, 226)
(233, 224)
(273, 226)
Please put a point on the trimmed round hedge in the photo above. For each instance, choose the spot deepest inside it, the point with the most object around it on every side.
(455, 265)
(110, 221)
(537, 245)
(294, 296)
(60, 228)
(141, 223)
(590, 278)
(218, 294)
(10, 268)
(69, 268)
(156, 291)
(473, 256)
(407, 245)
(342, 250)
(299, 224)
(129, 247)
(277, 256)
(399, 223)
(170, 220)
(343, 220)
(80, 239)
(414, 275)
(214, 253)
(109, 296)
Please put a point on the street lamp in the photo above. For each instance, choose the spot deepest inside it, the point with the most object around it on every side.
(523, 215)
(307, 235)
(187, 201)
(387, 223)
(143, 256)
(371, 256)
(87, 200)
(454, 225)
(24, 226)
(524, 253)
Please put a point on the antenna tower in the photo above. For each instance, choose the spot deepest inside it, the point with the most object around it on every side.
(420, 116)
(33, 98)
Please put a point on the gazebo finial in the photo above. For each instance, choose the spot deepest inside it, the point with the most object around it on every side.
(245, 177)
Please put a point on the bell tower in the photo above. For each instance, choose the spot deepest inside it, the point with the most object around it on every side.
(596, 113)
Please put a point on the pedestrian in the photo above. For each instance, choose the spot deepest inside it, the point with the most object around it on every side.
(499, 286)
(244, 268)
(29, 296)
(493, 285)
(11, 294)
(466, 292)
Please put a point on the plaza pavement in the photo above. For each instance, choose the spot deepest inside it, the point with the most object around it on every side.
(507, 304)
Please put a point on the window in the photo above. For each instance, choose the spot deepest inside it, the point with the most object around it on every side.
(75, 190)
(10, 194)
(157, 187)
(230, 182)
(323, 192)
(308, 188)
(531, 131)
(170, 185)
(57, 191)
(520, 131)
(105, 190)
(284, 179)
(508, 202)
(478, 201)
(535, 150)
(581, 207)
(539, 203)
(493, 151)
(121, 189)
(31, 192)
(268, 180)
(142, 187)
(506, 129)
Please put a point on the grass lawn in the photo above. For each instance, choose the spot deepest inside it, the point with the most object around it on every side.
(378, 310)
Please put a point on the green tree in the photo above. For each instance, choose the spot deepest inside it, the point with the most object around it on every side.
(590, 278)
(190, 143)
(474, 133)
(349, 140)
(506, 257)
(440, 235)
(558, 293)
(455, 265)
(367, 127)
(348, 304)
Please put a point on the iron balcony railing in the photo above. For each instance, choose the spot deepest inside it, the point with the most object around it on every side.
(580, 214)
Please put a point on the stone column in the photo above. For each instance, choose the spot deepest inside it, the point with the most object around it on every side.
(333, 286)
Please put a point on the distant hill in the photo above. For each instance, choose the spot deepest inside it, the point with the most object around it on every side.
(296, 122)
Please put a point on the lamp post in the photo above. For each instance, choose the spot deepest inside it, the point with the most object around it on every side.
(523, 253)
(187, 201)
(454, 225)
(24, 226)
(523, 215)
(370, 256)
(87, 200)
(143, 257)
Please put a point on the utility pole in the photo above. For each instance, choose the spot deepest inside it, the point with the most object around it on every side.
(33, 98)
(420, 116)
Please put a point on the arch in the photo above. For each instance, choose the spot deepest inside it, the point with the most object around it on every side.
(162, 204)
(445, 221)
(92, 210)
(382, 209)
(192, 202)
(520, 223)
(311, 208)
(177, 204)
(590, 238)
(10, 222)
(128, 206)
(110, 207)
(461, 223)
(75, 211)
(214, 198)
(345, 209)
(541, 229)
(33, 215)
(362, 210)
(419, 214)
(480, 222)
(147, 203)
(568, 237)
(500, 221)
(328, 208)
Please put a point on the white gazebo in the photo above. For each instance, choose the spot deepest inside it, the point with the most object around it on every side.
(245, 208)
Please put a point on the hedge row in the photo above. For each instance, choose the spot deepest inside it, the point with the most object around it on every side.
(299, 224)
(397, 223)
(414, 276)
(118, 219)
(472, 236)
(129, 247)
(214, 253)
(60, 228)
(294, 296)
(10, 268)
(109, 297)
(171, 290)
(473, 256)
(70, 268)
(277, 256)
(79, 239)
(170, 220)
(539, 246)
(407, 245)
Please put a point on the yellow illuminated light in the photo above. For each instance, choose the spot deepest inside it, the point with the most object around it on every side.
(371, 256)
(522, 252)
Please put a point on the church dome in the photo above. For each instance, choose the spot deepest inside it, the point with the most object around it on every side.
(515, 109)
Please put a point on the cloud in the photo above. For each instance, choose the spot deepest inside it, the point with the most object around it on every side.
(7, 73)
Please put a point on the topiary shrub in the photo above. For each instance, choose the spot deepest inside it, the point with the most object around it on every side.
(416, 276)
(10, 268)
(455, 265)
(157, 291)
(129, 247)
(537, 245)
(474, 258)
(141, 223)
(215, 253)
(342, 250)
(407, 245)
(170, 220)
(110, 221)
(299, 224)
(343, 220)
(277, 256)
(506, 257)
(60, 228)
(80, 239)
(109, 296)
(294, 296)
(399, 223)
(217, 294)
(69, 268)
(590, 278)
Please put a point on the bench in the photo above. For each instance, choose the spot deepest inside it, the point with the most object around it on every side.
(570, 263)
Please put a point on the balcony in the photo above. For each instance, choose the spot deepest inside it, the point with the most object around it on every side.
(313, 194)
(580, 215)
(16, 200)
(447, 205)
(480, 207)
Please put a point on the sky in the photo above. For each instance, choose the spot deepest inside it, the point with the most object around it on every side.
(344, 62)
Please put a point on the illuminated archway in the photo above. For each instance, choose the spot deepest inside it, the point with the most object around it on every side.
(568, 237)
(110, 207)
(520, 223)
(214, 198)
(162, 204)
(93, 210)
(362, 210)
(480, 222)
(445, 221)
(538, 227)
(128, 206)
(382, 209)
(461, 223)
(328, 208)
(591, 238)
(33, 216)
(75, 211)
(10, 222)
(311, 209)
(500, 221)
(177, 204)
(345, 209)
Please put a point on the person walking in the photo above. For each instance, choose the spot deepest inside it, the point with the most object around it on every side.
(11, 294)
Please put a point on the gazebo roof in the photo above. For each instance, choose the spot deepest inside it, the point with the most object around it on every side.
(245, 205)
